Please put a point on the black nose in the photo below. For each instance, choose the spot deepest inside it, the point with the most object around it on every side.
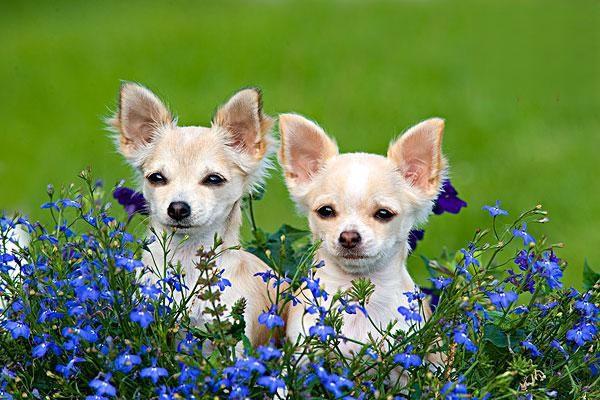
(179, 210)
(349, 239)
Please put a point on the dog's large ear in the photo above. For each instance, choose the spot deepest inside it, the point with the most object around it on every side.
(140, 115)
(246, 124)
(418, 155)
(305, 148)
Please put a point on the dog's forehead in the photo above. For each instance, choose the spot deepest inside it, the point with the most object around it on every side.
(189, 145)
(359, 177)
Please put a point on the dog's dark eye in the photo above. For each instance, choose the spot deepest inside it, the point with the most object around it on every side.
(326, 212)
(157, 179)
(213, 180)
(384, 215)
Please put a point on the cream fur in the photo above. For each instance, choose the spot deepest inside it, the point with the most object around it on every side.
(356, 185)
(236, 147)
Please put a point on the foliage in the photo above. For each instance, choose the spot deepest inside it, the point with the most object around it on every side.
(79, 321)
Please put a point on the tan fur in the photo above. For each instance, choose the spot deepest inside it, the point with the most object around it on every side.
(356, 186)
(236, 147)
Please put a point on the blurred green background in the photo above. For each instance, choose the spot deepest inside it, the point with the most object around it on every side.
(517, 81)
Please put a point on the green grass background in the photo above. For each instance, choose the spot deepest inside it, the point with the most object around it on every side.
(517, 81)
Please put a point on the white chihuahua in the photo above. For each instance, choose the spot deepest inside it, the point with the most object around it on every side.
(194, 181)
(362, 208)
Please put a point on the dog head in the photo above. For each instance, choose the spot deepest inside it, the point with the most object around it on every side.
(362, 206)
(193, 176)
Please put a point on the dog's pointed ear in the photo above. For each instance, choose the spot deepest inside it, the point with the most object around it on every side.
(140, 115)
(418, 155)
(246, 124)
(305, 147)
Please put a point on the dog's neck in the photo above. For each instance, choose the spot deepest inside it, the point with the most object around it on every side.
(390, 272)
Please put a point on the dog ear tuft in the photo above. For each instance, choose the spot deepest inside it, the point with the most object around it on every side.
(305, 147)
(418, 155)
(139, 116)
(244, 121)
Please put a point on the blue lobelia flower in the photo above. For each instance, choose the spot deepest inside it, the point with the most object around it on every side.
(533, 350)
(495, 210)
(272, 383)
(447, 200)
(266, 353)
(126, 362)
(469, 258)
(69, 369)
(408, 359)
(322, 331)
(133, 202)
(461, 337)
(188, 345)
(409, 314)
(17, 329)
(142, 315)
(454, 390)
(502, 299)
(586, 307)
(440, 282)
(314, 286)
(549, 269)
(154, 372)
(270, 318)
(129, 264)
(555, 344)
(222, 283)
(522, 233)
(103, 386)
(581, 333)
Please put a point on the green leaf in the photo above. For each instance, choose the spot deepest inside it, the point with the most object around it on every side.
(590, 277)
(495, 335)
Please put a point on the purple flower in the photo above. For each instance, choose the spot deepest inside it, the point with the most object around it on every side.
(408, 359)
(271, 383)
(447, 200)
(502, 299)
(270, 318)
(495, 210)
(522, 233)
(413, 237)
(533, 350)
(154, 372)
(133, 202)
(550, 270)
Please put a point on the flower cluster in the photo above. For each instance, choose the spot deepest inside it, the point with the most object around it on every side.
(83, 317)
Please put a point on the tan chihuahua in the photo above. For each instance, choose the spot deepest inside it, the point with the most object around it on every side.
(362, 208)
(194, 181)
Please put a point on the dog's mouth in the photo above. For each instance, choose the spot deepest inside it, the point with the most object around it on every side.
(180, 226)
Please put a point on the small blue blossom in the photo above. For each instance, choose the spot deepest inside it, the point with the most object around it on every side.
(409, 314)
(126, 362)
(17, 329)
(129, 264)
(154, 372)
(322, 331)
(222, 283)
(103, 386)
(461, 337)
(556, 345)
(469, 258)
(408, 359)
(267, 353)
(270, 318)
(533, 350)
(439, 282)
(581, 333)
(495, 210)
(522, 233)
(142, 316)
(314, 286)
(272, 383)
(455, 390)
(502, 299)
